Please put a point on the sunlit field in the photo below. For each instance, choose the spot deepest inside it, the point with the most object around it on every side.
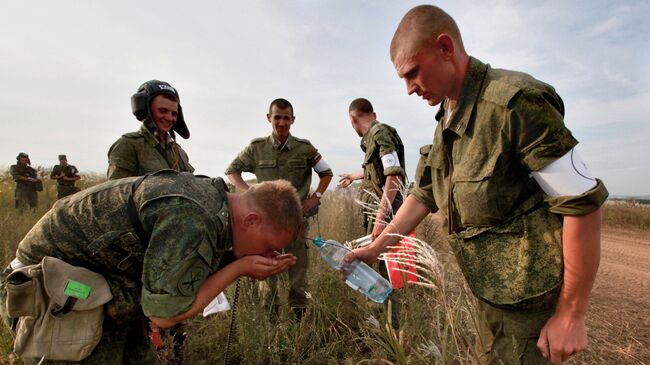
(438, 319)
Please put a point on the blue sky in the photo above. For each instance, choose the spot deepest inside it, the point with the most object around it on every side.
(68, 69)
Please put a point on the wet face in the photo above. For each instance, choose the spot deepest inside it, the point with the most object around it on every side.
(281, 121)
(426, 74)
(261, 240)
(164, 113)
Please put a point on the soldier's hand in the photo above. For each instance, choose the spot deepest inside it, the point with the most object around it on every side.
(562, 336)
(365, 254)
(345, 181)
(309, 204)
(260, 267)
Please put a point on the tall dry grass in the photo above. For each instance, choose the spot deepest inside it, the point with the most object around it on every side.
(438, 318)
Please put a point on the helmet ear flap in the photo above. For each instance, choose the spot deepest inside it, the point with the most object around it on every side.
(139, 105)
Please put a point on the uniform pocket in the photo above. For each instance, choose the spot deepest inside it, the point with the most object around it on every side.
(121, 249)
(476, 193)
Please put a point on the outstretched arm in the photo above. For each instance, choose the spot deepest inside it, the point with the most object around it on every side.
(347, 179)
(405, 221)
(255, 266)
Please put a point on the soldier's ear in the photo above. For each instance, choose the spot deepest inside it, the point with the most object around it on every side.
(268, 117)
(252, 219)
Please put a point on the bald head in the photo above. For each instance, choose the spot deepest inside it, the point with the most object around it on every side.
(420, 27)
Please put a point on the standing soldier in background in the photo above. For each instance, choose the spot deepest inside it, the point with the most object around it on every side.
(153, 147)
(65, 176)
(520, 207)
(27, 182)
(283, 156)
(383, 172)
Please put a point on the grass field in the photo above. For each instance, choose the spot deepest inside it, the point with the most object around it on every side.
(438, 321)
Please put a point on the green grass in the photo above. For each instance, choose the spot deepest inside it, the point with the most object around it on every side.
(438, 322)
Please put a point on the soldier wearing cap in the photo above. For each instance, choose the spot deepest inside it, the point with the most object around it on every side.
(153, 147)
(283, 156)
(65, 175)
(166, 245)
(520, 207)
(27, 182)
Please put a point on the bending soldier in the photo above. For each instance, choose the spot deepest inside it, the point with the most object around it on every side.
(166, 244)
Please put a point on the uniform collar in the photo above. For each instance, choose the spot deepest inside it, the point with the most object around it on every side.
(289, 144)
(151, 137)
(369, 132)
(470, 91)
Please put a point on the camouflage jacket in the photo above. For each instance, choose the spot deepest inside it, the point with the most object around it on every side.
(68, 170)
(186, 219)
(380, 140)
(25, 171)
(269, 160)
(504, 232)
(139, 153)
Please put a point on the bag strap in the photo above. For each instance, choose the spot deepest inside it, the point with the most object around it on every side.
(132, 212)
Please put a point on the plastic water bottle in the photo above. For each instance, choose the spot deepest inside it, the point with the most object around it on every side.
(361, 278)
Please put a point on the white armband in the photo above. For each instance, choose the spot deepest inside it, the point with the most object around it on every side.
(567, 175)
(321, 166)
(390, 160)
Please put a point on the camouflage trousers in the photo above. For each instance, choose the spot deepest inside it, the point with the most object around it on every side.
(509, 337)
(123, 344)
(298, 284)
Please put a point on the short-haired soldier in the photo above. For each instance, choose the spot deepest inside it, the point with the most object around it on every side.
(521, 209)
(166, 244)
(283, 156)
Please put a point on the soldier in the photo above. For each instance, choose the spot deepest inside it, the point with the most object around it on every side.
(382, 174)
(65, 176)
(283, 156)
(27, 182)
(167, 244)
(153, 147)
(520, 207)
(383, 165)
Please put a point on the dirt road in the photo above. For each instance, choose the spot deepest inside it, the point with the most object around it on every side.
(619, 317)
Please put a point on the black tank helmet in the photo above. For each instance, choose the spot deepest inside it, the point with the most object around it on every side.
(146, 92)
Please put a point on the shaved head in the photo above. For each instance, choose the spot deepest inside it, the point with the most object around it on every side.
(420, 27)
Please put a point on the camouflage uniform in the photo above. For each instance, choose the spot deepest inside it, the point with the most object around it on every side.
(65, 187)
(188, 222)
(25, 190)
(505, 233)
(292, 161)
(139, 153)
(380, 140)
